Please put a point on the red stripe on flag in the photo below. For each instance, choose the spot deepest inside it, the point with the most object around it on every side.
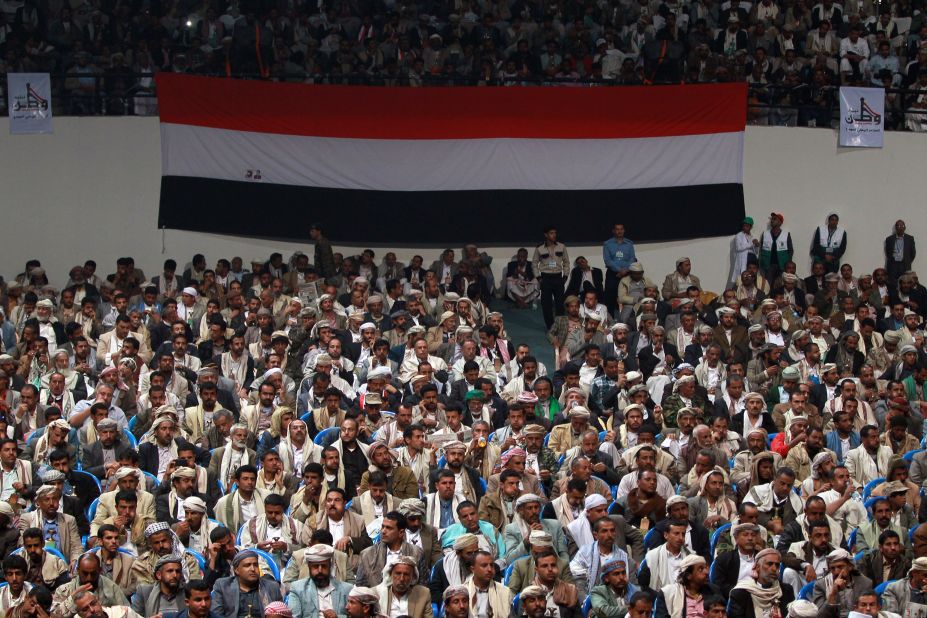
(367, 112)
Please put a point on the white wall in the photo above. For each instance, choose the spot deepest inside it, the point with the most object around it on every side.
(91, 189)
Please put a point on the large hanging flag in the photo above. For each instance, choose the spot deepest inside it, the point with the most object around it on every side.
(448, 164)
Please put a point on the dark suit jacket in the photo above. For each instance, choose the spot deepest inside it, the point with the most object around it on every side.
(693, 354)
(737, 423)
(148, 456)
(574, 288)
(648, 362)
(700, 542)
(459, 389)
(727, 571)
(741, 44)
(93, 457)
(872, 564)
(740, 604)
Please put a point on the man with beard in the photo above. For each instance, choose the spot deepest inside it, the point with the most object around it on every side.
(42, 566)
(363, 602)
(245, 591)
(399, 593)
(527, 519)
(455, 567)
(401, 482)
(320, 594)
(801, 455)
(467, 479)
(227, 459)
(163, 542)
(115, 564)
(163, 595)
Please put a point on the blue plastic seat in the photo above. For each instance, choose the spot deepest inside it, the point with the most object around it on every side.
(881, 587)
(507, 574)
(851, 542)
(910, 454)
(305, 417)
(271, 564)
(602, 435)
(327, 436)
(133, 441)
(716, 536)
(806, 590)
(132, 423)
(92, 509)
(199, 558)
(587, 606)
(442, 461)
(157, 483)
(867, 490)
(86, 474)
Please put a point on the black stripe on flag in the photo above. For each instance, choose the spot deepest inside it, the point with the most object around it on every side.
(488, 217)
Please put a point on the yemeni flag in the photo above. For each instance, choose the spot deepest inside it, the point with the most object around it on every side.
(450, 164)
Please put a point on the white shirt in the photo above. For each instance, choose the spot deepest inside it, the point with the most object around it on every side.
(415, 538)
(247, 508)
(399, 606)
(325, 598)
(337, 530)
(746, 566)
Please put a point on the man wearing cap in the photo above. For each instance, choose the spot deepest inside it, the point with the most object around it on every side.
(760, 594)
(162, 542)
(246, 593)
(164, 595)
(775, 247)
(528, 519)
(731, 336)
(455, 567)
(567, 435)
(400, 594)
(169, 505)
(908, 596)
(676, 284)
(691, 587)
(736, 564)
(753, 416)
(196, 527)
(837, 593)
(59, 528)
(401, 481)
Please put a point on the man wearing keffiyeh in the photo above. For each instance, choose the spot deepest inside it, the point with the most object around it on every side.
(760, 595)
(163, 542)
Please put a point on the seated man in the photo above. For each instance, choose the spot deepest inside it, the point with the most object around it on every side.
(455, 567)
(88, 579)
(692, 586)
(587, 563)
(733, 565)
(374, 503)
(400, 592)
(163, 542)
(115, 564)
(60, 529)
(42, 567)
(776, 501)
(392, 547)
(888, 562)
(527, 519)
(272, 532)
(523, 572)
(663, 562)
(760, 593)
(806, 561)
(469, 522)
(613, 596)
(838, 594)
(907, 593)
(549, 591)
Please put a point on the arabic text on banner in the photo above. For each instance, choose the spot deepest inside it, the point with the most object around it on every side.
(862, 117)
(30, 106)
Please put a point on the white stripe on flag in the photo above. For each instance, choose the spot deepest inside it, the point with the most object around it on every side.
(453, 165)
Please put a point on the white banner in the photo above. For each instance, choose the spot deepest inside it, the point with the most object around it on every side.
(862, 117)
(29, 97)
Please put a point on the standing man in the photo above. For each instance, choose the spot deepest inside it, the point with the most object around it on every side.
(775, 248)
(324, 257)
(553, 265)
(618, 253)
(829, 244)
(742, 246)
(899, 251)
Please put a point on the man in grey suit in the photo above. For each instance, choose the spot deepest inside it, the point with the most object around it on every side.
(245, 587)
(319, 592)
(392, 540)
